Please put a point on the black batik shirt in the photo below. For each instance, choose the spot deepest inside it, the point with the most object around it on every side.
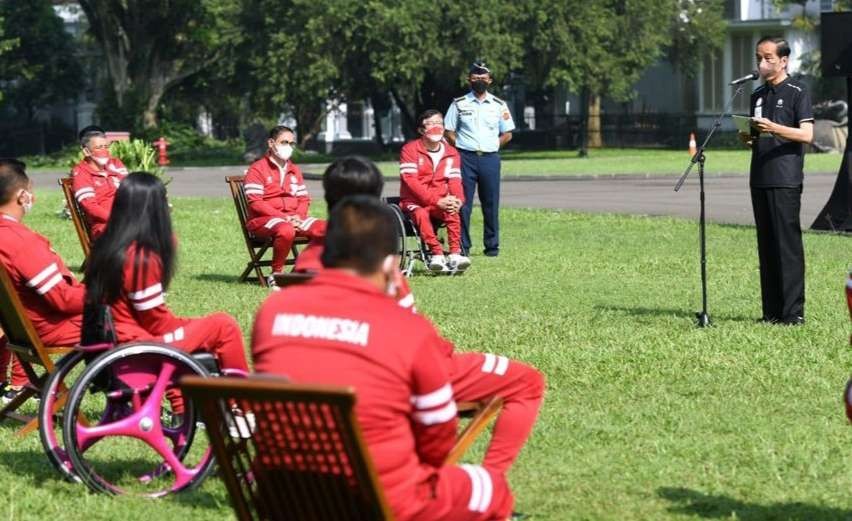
(778, 162)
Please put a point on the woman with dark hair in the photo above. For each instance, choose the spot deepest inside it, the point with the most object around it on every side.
(130, 268)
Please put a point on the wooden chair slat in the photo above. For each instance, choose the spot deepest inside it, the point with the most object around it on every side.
(81, 224)
(24, 341)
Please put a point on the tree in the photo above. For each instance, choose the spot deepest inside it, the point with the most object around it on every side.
(291, 67)
(41, 68)
(596, 48)
(150, 47)
(6, 45)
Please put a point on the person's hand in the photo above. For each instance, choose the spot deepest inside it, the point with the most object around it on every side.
(746, 139)
(445, 203)
(763, 125)
(293, 219)
(456, 204)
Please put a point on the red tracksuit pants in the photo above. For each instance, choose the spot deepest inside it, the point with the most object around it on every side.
(217, 333)
(467, 493)
(480, 376)
(422, 218)
(282, 234)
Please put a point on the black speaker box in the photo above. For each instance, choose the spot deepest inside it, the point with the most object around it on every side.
(836, 43)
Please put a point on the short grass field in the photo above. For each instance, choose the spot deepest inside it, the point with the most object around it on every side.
(646, 416)
(630, 161)
(605, 162)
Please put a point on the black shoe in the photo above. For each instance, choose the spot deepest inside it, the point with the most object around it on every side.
(767, 320)
(517, 516)
(492, 253)
(793, 321)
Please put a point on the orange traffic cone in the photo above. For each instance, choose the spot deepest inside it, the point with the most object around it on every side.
(693, 146)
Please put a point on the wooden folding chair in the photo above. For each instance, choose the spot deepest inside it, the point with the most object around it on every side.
(256, 247)
(300, 454)
(25, 343)
(81, 225)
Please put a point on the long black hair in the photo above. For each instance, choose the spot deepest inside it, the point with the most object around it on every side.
(140, 215)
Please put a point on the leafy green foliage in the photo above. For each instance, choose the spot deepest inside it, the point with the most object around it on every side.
(151, 47)
(38, 65)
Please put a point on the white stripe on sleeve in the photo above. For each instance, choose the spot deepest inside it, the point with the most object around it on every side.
(438, 397)
(489, 363)
(149, 304)
(43, 274)
(150, 291)
(444, 414)
(56, 279)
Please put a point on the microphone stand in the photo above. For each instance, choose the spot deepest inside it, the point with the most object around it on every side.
(702, 318)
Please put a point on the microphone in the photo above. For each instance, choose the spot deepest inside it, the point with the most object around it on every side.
(753, 76)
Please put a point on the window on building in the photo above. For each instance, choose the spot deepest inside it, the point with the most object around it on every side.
(826, 5)
(712, 78)
(742, 63)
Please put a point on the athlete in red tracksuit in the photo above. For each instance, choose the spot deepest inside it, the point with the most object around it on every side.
(51, 296)
(341, 329)
(431, 188)
(475, 376)
(141, 314)
(94, 189)
(278, 199)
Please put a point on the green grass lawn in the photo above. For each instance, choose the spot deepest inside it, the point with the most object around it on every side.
(602, 162)
(608, 162)
(646, 416)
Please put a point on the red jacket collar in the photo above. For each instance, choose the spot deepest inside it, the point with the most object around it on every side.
(421, 148)
(288, 166)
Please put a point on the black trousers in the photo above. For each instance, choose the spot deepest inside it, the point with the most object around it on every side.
(779, 248)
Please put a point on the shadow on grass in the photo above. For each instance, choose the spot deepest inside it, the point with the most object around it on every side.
(221, 277)
(639, 311)
(708, 506)
(33, 465)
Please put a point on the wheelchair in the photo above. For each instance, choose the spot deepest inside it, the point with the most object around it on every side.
(411, 245)
(112, 418)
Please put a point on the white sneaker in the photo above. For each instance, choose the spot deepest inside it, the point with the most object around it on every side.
(241, 425)
(458, 262)
(270, 282)
(438, 263)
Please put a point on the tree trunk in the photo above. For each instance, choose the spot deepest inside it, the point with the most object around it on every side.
(595, 138)
(410, 126)
(377, 121)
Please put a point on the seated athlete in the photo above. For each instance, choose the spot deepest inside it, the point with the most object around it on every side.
(96, 178)
(278, 199)
(52, 297)
(431, 189)
(475, 376)
(342, 328)
(130, 269)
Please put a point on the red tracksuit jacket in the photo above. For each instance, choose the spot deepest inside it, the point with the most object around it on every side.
(423, 182)
(338, 329)
(274, 191)
(53, 298)
(141, 312)
(95, 190)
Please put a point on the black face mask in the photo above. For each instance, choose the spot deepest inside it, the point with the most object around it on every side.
(478, 86)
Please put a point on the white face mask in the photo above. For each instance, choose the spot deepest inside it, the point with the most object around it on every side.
(101, 161)
(284, 151)
(28, 205)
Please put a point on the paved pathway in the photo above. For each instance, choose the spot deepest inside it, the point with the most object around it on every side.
(728, 198)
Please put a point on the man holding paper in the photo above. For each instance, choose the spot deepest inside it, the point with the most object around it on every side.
(781, 124)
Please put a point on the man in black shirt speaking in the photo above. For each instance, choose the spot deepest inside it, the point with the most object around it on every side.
(782, 124)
